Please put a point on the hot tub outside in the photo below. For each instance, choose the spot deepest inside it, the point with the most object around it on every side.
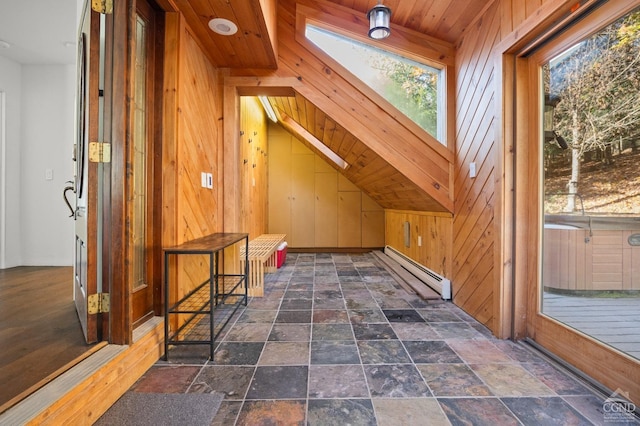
(590, 254)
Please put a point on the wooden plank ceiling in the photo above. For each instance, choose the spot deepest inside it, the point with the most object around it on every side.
(254, 47)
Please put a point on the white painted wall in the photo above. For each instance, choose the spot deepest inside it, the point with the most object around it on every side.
(39, 110)
(11, 85)
(35, 227)
(48, 93)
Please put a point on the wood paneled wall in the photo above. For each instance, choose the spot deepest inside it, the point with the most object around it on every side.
(474, 281)
(192, 145)
(315, 205)
(479, 204)
(253, 174)
(430, 238)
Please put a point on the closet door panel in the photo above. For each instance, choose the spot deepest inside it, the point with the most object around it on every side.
(326, 210)
(302, 200)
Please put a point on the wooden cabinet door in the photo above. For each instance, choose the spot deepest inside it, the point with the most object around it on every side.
(280, 184)
(372, 223)
(373, 229)
(326, 210)
(302, 200)
(349, 219)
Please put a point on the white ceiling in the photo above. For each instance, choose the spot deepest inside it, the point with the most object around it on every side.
(39, 31)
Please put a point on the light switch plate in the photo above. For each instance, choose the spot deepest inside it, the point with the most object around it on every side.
(203, 179)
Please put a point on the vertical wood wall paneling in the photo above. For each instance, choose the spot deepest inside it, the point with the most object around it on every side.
(435, 230)
(473, 242)
(253, 165)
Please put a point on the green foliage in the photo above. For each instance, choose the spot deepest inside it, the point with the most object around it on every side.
(597, 83)
(414, 90)
(599, 88)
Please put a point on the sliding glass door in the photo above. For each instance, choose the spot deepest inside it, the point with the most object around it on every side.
(582, 91)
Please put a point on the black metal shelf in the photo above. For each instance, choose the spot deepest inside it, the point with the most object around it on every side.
(210, 306)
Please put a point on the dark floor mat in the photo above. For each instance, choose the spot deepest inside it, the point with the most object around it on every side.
(139, 408)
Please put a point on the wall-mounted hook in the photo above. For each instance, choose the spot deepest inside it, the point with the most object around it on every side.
(255, 133)
(245, 161)
(254, 165)
(250, 140)
(241, 132)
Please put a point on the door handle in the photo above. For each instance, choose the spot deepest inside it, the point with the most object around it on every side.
(69, 187)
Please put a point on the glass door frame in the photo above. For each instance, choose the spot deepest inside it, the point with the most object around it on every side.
(522, 112)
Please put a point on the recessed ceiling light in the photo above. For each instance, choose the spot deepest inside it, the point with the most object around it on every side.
(4, 44)
(223, 26)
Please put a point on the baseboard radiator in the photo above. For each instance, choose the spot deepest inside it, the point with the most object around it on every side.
(437, 282)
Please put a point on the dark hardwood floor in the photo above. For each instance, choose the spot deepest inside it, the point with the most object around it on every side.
(40, 335)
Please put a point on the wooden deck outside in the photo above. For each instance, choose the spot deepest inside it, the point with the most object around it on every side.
(614, 321)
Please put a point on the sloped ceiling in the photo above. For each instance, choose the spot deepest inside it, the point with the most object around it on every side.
(366, 169)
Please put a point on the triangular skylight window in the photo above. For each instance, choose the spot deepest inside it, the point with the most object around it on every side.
(413, 88)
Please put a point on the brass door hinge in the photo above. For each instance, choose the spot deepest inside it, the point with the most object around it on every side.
(102, 6)
(98, 303)
(99, 152)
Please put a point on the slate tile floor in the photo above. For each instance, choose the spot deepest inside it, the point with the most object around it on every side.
(336, 341)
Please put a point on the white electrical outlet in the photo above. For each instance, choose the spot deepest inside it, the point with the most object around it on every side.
(210, 180)
(472, 170)
(48, 174)
(203, 179)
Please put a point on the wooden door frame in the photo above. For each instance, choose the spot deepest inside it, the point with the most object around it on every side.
(520, 167)
(153, 98)
(119, 30)
(115, 112)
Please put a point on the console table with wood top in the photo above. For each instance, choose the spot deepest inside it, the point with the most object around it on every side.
(206, 309)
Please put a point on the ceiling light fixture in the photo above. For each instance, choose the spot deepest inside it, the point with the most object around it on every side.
(223, 26)
(379, 21)
(268, 108)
